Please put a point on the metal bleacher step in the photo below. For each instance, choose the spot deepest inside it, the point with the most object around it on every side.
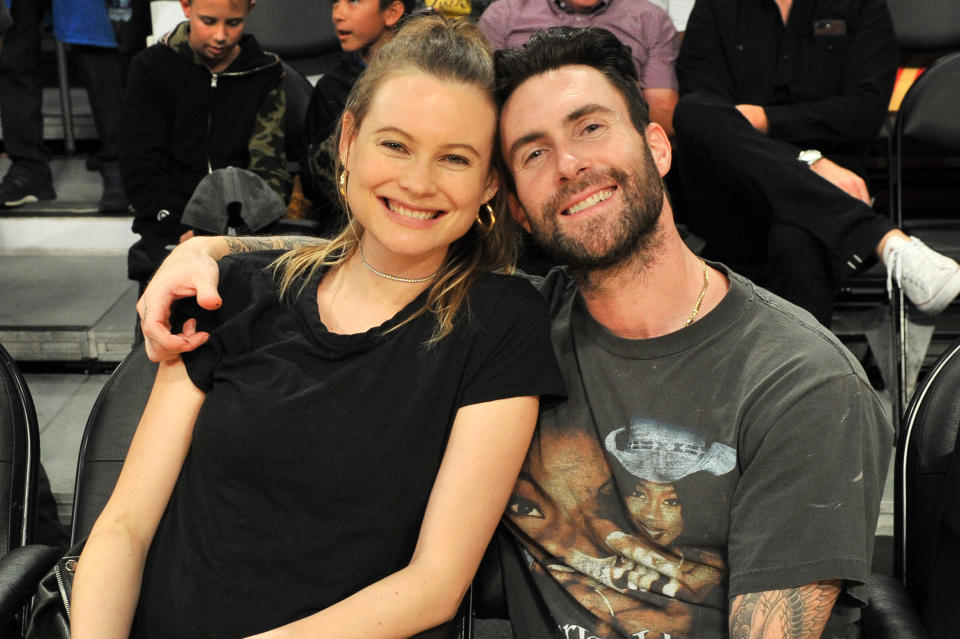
(82, 115)
(64, 294)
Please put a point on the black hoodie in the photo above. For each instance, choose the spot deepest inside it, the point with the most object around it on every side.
(181, 121)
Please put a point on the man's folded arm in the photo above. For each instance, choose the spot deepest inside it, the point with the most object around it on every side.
(791, 613)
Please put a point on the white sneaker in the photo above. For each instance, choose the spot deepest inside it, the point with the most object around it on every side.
(928, 279)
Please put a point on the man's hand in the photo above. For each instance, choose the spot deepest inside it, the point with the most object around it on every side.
(190, 270)
(844, 179)
(755, 115)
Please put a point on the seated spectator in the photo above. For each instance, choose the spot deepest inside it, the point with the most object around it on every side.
(780, 105)
(362, 26)
(85, 26)
(204, 98)
(639, 24)
(339, 454)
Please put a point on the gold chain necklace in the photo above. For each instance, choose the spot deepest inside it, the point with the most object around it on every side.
(703, 291)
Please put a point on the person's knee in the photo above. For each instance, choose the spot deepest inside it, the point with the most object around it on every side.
(799, 270)
(795, 250)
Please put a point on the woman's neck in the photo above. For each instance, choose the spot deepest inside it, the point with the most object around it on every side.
(353, 299)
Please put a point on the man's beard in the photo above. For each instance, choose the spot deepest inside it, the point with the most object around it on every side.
(606, 240)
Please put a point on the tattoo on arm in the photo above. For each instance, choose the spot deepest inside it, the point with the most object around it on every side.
(793, 613)
(287, 242)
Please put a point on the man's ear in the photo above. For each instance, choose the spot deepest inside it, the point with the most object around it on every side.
(659, 144)
(392, 14)
(518, 212)
(185, 5)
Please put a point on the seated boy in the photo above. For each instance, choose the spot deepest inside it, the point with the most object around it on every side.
(362, 27)
(204, 98)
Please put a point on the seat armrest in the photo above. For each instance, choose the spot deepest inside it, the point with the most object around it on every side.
(20, 572)
(890, 613)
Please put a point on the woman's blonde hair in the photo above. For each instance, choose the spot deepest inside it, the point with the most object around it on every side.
(450, 50)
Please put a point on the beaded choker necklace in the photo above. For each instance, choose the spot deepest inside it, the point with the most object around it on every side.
(396, 278)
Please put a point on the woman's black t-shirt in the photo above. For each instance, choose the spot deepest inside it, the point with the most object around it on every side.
(314, 453)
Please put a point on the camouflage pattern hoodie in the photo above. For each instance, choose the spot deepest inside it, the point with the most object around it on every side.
(181, 121)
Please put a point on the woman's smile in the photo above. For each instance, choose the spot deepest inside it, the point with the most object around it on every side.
(412, 212)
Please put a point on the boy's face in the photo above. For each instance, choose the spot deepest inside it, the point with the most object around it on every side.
(360, 23)
(215, 29)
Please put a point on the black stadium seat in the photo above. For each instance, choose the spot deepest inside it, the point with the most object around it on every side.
(21, 564)
(926, 481)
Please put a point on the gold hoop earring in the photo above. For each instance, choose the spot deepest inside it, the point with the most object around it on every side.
(343, 182)
(486, 228)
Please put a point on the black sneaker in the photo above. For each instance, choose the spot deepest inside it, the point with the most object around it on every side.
(22, 186)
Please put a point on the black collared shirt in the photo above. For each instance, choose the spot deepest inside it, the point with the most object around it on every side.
(824, 79)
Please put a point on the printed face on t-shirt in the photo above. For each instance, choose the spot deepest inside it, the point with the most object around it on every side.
(657, 511)
(614, 543)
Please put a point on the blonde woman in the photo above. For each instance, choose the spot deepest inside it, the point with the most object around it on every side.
(333, 461)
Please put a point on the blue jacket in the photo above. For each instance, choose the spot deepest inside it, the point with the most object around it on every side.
(81, 22)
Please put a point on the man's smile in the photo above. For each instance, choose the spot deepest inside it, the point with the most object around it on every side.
(590, 200)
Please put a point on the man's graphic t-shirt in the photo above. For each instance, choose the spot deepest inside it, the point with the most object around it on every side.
(743, 453)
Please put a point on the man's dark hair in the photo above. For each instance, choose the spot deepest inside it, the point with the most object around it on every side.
(563, 46)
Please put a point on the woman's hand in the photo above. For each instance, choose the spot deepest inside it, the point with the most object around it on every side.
(190, 270)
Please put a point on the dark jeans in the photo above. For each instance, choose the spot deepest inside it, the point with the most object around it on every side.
(21, 90)
(765, 213)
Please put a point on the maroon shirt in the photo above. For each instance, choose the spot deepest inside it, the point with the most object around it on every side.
(641, 25)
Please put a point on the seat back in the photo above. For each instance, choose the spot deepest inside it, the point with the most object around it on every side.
(107, 436)
(924, 455)
(929, 113)
(926, 25)
(294, 29)
(19, 457)
(298, 91)
(929, 117)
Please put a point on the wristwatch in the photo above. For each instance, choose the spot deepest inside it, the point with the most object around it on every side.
(809, 156)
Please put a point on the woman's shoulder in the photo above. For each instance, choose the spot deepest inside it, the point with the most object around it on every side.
(500, 288)
(507, 301)
(246, 276)
(247, 264)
